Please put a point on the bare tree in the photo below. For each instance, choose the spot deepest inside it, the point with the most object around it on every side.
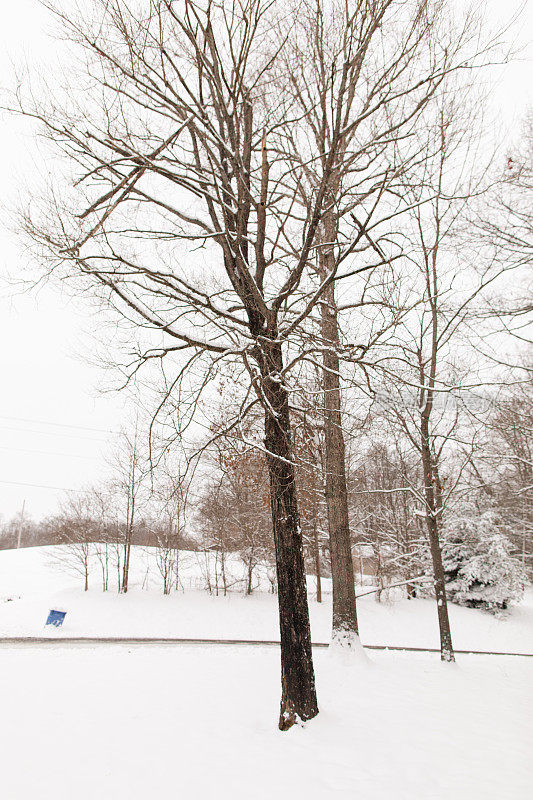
(168, 529)
(216, 538)
(431, 372)
(361, 75)
(75, 527)
(192, 132)
(234, 505)
(131, 470)
(101, 500)
(382, 517)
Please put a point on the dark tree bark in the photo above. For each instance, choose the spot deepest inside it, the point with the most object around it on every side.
(250, 572)
(433, 508)
(298, 698)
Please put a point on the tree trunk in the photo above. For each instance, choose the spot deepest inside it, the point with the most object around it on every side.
(127, 547)
(250, 576)
(130, 515)
(446, 647)
(317, 562)
(298, 699)
(126, 567)
(379, 575)
(216, 573)
(223, 567)
(432, 509)
(208, 571)
(344, 608)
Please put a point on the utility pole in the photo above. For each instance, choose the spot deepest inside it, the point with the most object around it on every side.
(21, 522)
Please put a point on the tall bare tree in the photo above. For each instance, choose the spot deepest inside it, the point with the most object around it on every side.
(173, 131)
(361, 75)
(432, 371)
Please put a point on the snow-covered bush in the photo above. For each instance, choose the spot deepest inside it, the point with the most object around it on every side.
(479, 567)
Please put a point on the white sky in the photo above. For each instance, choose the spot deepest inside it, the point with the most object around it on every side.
(45, 387)
(49, 396)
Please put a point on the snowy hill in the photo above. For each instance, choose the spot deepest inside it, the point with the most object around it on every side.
(33, 581)
(126, 722)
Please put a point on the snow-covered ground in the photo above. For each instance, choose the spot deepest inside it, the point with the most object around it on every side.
(199, 723)
(119, 722)
(36, 583)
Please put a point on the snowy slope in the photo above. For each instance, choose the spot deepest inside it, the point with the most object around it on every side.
(121, 722)
(35, 584)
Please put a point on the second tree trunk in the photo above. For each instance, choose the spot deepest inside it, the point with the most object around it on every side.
(345, 627)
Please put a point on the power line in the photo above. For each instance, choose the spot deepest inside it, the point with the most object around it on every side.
(63, 434)
(41, 486)
(47, 452)
(58, 424)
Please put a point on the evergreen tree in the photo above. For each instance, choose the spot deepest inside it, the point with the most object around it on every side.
(479, 567)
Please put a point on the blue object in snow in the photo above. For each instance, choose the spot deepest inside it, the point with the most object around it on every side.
(56, 618)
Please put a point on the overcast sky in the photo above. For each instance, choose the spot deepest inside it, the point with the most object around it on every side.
(55, 425)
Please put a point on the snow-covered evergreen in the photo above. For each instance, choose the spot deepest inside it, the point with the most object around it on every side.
(480, 569)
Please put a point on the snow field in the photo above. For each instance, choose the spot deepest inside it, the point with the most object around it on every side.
(119, 722)
(35, 584)
(199, 723)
